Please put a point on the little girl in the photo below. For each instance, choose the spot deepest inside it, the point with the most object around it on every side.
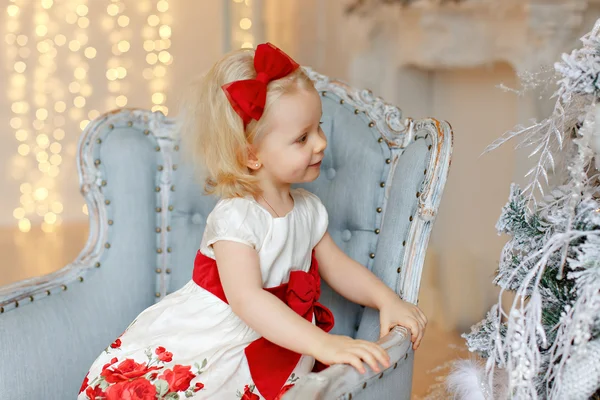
(249, 324)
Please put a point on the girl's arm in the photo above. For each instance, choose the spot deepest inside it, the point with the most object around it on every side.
(349, 278)
(359, 285)
(239, 270)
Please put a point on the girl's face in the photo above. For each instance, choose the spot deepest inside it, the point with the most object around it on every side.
(293, 146)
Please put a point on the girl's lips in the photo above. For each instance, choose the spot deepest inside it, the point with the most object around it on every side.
(316, 164)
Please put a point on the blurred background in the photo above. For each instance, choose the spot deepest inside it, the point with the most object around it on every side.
(68, 61)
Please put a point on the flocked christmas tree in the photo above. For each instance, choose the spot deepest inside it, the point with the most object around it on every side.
(547, 345)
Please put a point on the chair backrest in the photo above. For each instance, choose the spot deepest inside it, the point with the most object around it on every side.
(381, 181)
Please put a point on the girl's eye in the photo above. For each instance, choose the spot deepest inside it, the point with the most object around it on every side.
(320, 122)
(302, 138)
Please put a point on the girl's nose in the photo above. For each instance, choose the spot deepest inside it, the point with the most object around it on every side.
(321, 144)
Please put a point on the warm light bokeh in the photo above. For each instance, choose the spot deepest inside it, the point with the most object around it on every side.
(46, 101)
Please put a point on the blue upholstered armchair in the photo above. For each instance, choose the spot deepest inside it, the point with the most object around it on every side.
(382, 179)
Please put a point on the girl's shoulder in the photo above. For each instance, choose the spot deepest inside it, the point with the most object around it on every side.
(310, 199)
(234, 219)
(240, 208)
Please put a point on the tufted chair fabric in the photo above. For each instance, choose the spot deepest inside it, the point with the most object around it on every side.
(381, 182)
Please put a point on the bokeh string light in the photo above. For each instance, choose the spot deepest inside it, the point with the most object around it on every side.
(80, 86)
(17, 54)
(120, 62)
(48, 204)
(241, 27)
(157, 42)
(49, 73)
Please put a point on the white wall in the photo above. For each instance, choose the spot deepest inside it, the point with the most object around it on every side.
(464, 235)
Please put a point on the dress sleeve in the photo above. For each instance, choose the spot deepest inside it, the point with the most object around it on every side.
(320, 217)
(234, 220)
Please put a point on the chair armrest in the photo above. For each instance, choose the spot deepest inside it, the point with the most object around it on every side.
(41, 286)
(342, 378)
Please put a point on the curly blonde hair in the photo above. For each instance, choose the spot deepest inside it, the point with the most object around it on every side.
(214, 133)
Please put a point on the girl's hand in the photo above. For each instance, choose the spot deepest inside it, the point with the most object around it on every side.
(396, 312)
(336, 349)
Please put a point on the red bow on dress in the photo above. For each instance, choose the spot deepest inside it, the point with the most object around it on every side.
(248, 97)
(271, 365)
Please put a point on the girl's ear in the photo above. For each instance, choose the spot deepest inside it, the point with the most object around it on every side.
(253, 162)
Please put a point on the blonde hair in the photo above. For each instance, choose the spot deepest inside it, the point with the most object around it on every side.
(214, 133)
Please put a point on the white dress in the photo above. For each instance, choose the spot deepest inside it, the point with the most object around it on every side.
(191, 344)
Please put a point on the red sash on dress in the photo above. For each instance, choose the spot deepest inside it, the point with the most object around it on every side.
(271, 365)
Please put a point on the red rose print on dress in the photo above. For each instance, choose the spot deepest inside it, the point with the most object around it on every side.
(132, 380)
(84, 384)
(95, 393)
(108, 364)
(248, 395)
(126, 370)
(164, 355)
(179, 378)
(137, 389)
(116, 344)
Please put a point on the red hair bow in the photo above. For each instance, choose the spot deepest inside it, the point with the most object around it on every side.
(248, 97)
